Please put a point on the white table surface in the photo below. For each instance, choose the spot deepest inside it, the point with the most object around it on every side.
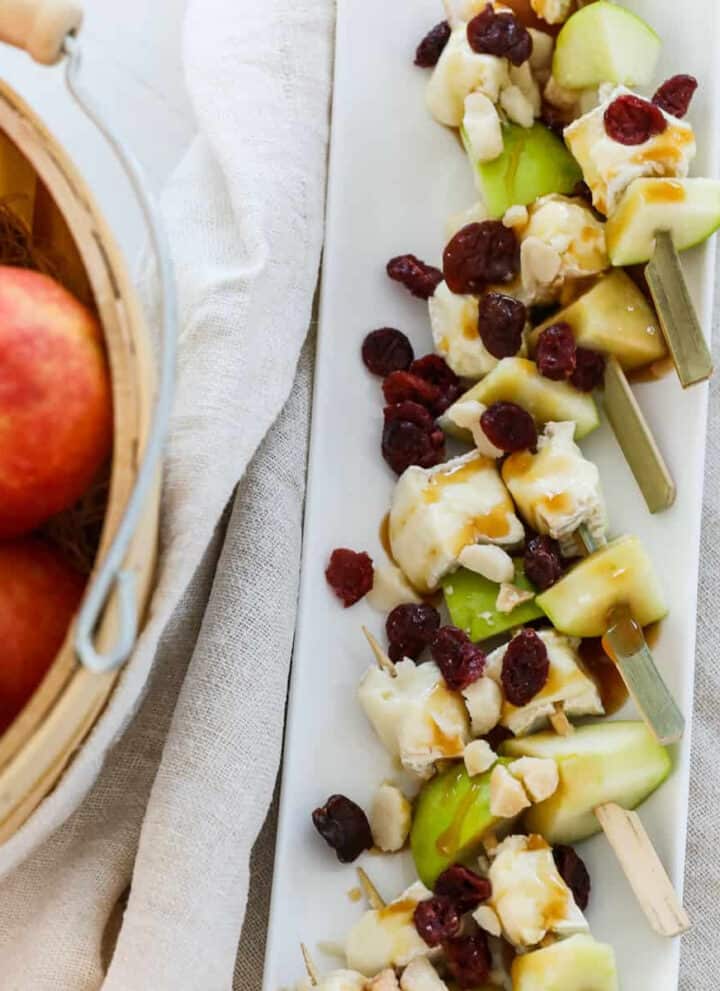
(132, 64)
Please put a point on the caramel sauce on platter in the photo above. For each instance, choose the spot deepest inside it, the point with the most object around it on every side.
(604, 672)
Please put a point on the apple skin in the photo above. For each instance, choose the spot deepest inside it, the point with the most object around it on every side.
(39, 595)
(55, 400)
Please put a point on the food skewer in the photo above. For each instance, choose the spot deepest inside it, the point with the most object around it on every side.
(678, 318)
(626, 641)
(310, 966)
(373, 896)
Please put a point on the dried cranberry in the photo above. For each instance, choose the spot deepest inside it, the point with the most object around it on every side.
(555, 353)
(525, 667)
(497, 736)
(632, 120)
(480, 255)
(436, 919)
(349, 574)
(589, 370)
(493, 33)
(501, 321)
(543, 562)
(434, 369)
(675, 95)
(574, 873)
(582, 191)
(387, 350)
(344, 826)
(411, 437)
(431, 47)
(460, 660)
(402, 387)
(418, 278)
(465, 889)
(468, 959)
(509, 427)
(410, 627)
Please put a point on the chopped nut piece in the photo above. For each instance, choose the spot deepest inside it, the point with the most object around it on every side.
(390, 819)
(482, 128)
(510, 596)
(484, 703)
(542, 53)
(386, 981)
(517, 106)
(420, 975)
(487, 919)
(539, 775)
(479, 757)
(516, 217)
(522, 77)
(467, 415)
(552, 11)
(559, 96)
(507, 794)
(390, 588)
(491, 562)
(540, 264)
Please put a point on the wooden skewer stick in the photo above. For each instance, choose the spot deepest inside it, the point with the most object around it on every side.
(383, 661)
(643, 869)
(560, 722)
(678, 319)
(310, 966)
(626, 642)
(374, 898)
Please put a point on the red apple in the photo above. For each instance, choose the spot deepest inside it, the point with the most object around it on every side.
(55, 400)
(39, 595)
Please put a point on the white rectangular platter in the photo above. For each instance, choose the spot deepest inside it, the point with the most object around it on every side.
(395, 176)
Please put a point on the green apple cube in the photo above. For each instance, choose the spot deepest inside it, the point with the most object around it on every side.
(470, 599)
(518, 380)
(534, 163)
(602, 762)
(605, 43)
(688, 208)
(613, 317)
(575, 964)
(621, 573)
(452, 815)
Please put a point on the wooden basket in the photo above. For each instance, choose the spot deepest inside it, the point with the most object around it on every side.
(56, 203)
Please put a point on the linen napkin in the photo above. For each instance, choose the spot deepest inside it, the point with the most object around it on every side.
(182, 794)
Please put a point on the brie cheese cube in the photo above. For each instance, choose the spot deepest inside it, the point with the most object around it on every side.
(387, 937)
(459, 72)
(437, 511)
(390, 819)
(482, 128)
(568, 684)
(484, 701)
(556, 490)
(415, 715)
(338, 980)
(454, 322)
(563, 240)
(420, 975)
(528, 894)
(609, 166)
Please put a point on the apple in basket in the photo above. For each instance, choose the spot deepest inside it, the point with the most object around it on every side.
(55, 400)
(39, 595)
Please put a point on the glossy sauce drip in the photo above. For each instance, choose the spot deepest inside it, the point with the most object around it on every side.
(604, 672)
(665, 192)
(464, 473)
(384, 534)
(448, 842)
(404, 907)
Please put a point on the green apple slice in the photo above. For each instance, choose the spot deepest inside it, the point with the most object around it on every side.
(599, 763)
(620, 573)
(688, 208)
(613, 317)
(452, 815)
(518, 380)
(534, 163)
(471, 599)
(575, 964)
(605, 43)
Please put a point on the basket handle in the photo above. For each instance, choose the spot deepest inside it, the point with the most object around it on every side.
(39, 26)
